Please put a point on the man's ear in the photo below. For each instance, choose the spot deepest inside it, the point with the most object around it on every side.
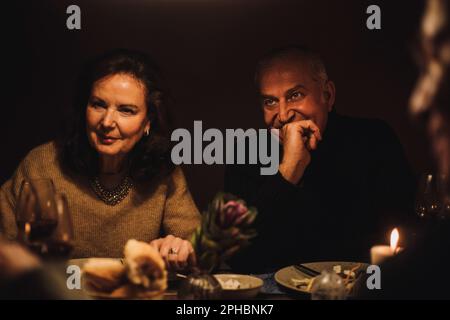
(329, 94)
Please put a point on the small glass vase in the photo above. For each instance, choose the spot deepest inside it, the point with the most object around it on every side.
(200, 285)
(328, 286)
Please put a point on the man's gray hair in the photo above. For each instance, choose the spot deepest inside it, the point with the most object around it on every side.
(294, 52)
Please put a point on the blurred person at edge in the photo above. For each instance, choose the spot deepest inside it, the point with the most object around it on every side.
(24, 276)
(406, 276)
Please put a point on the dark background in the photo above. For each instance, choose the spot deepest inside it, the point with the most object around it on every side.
(208, 50)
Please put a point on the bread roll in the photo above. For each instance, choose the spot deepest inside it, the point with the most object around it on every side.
(145, 266)
(103, 274)
(141, 275)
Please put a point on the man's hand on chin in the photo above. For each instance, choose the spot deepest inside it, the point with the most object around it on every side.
(298, 138)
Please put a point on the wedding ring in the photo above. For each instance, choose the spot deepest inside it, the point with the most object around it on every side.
(173, 251)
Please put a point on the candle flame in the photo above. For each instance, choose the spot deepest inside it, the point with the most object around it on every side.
(394, 239)
(27, 228)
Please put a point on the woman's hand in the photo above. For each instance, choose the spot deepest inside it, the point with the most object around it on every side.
(176, 252)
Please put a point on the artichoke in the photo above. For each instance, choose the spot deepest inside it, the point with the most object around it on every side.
(226, 228)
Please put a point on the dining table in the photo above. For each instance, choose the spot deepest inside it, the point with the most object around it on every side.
(275, 285)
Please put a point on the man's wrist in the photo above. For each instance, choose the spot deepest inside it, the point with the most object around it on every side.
(292, 174)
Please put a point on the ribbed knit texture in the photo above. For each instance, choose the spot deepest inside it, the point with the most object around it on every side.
(157, 209)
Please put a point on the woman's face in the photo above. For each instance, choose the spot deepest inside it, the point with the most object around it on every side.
(116, 114)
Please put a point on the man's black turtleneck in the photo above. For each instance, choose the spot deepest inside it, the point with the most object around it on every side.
(357, 187)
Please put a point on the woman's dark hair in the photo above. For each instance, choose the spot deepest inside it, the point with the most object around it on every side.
(150, 157)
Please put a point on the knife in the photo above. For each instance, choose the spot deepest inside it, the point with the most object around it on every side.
(308, 271)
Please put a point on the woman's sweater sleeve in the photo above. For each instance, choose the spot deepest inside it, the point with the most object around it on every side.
(181, 215)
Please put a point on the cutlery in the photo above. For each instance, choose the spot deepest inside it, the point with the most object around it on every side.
(308, 271)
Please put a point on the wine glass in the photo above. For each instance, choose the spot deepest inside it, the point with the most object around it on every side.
(60, 244)
(24, 211)
(428, 202)
(444, 197)
(36, 214)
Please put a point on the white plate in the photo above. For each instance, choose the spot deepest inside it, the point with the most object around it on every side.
(284, 276)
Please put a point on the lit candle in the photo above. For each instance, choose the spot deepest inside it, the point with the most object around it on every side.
(380, 253)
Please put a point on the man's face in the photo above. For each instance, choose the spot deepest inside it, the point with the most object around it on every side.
(288, 92)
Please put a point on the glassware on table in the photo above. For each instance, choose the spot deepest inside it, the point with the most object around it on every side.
(36, 213)
(328, 286)
(200, 286)
(444, 197)
(60, 244)
(428, 203)
(43, 219)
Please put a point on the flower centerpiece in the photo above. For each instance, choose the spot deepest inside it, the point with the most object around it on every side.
(226, 228)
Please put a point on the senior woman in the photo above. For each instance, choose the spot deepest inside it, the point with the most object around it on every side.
(114, 166)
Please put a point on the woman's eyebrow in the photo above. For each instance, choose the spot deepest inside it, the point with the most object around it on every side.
(126, 105)
(93, 97)
(96, 97)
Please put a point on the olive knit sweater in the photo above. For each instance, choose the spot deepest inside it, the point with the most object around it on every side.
(158, 209)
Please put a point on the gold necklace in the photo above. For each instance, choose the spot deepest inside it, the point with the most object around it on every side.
(112, 197)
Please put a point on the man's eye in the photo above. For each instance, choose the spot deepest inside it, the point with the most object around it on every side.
(296, 96)
(269, 102)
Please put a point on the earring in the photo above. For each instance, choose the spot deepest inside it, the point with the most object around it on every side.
(147, 132)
